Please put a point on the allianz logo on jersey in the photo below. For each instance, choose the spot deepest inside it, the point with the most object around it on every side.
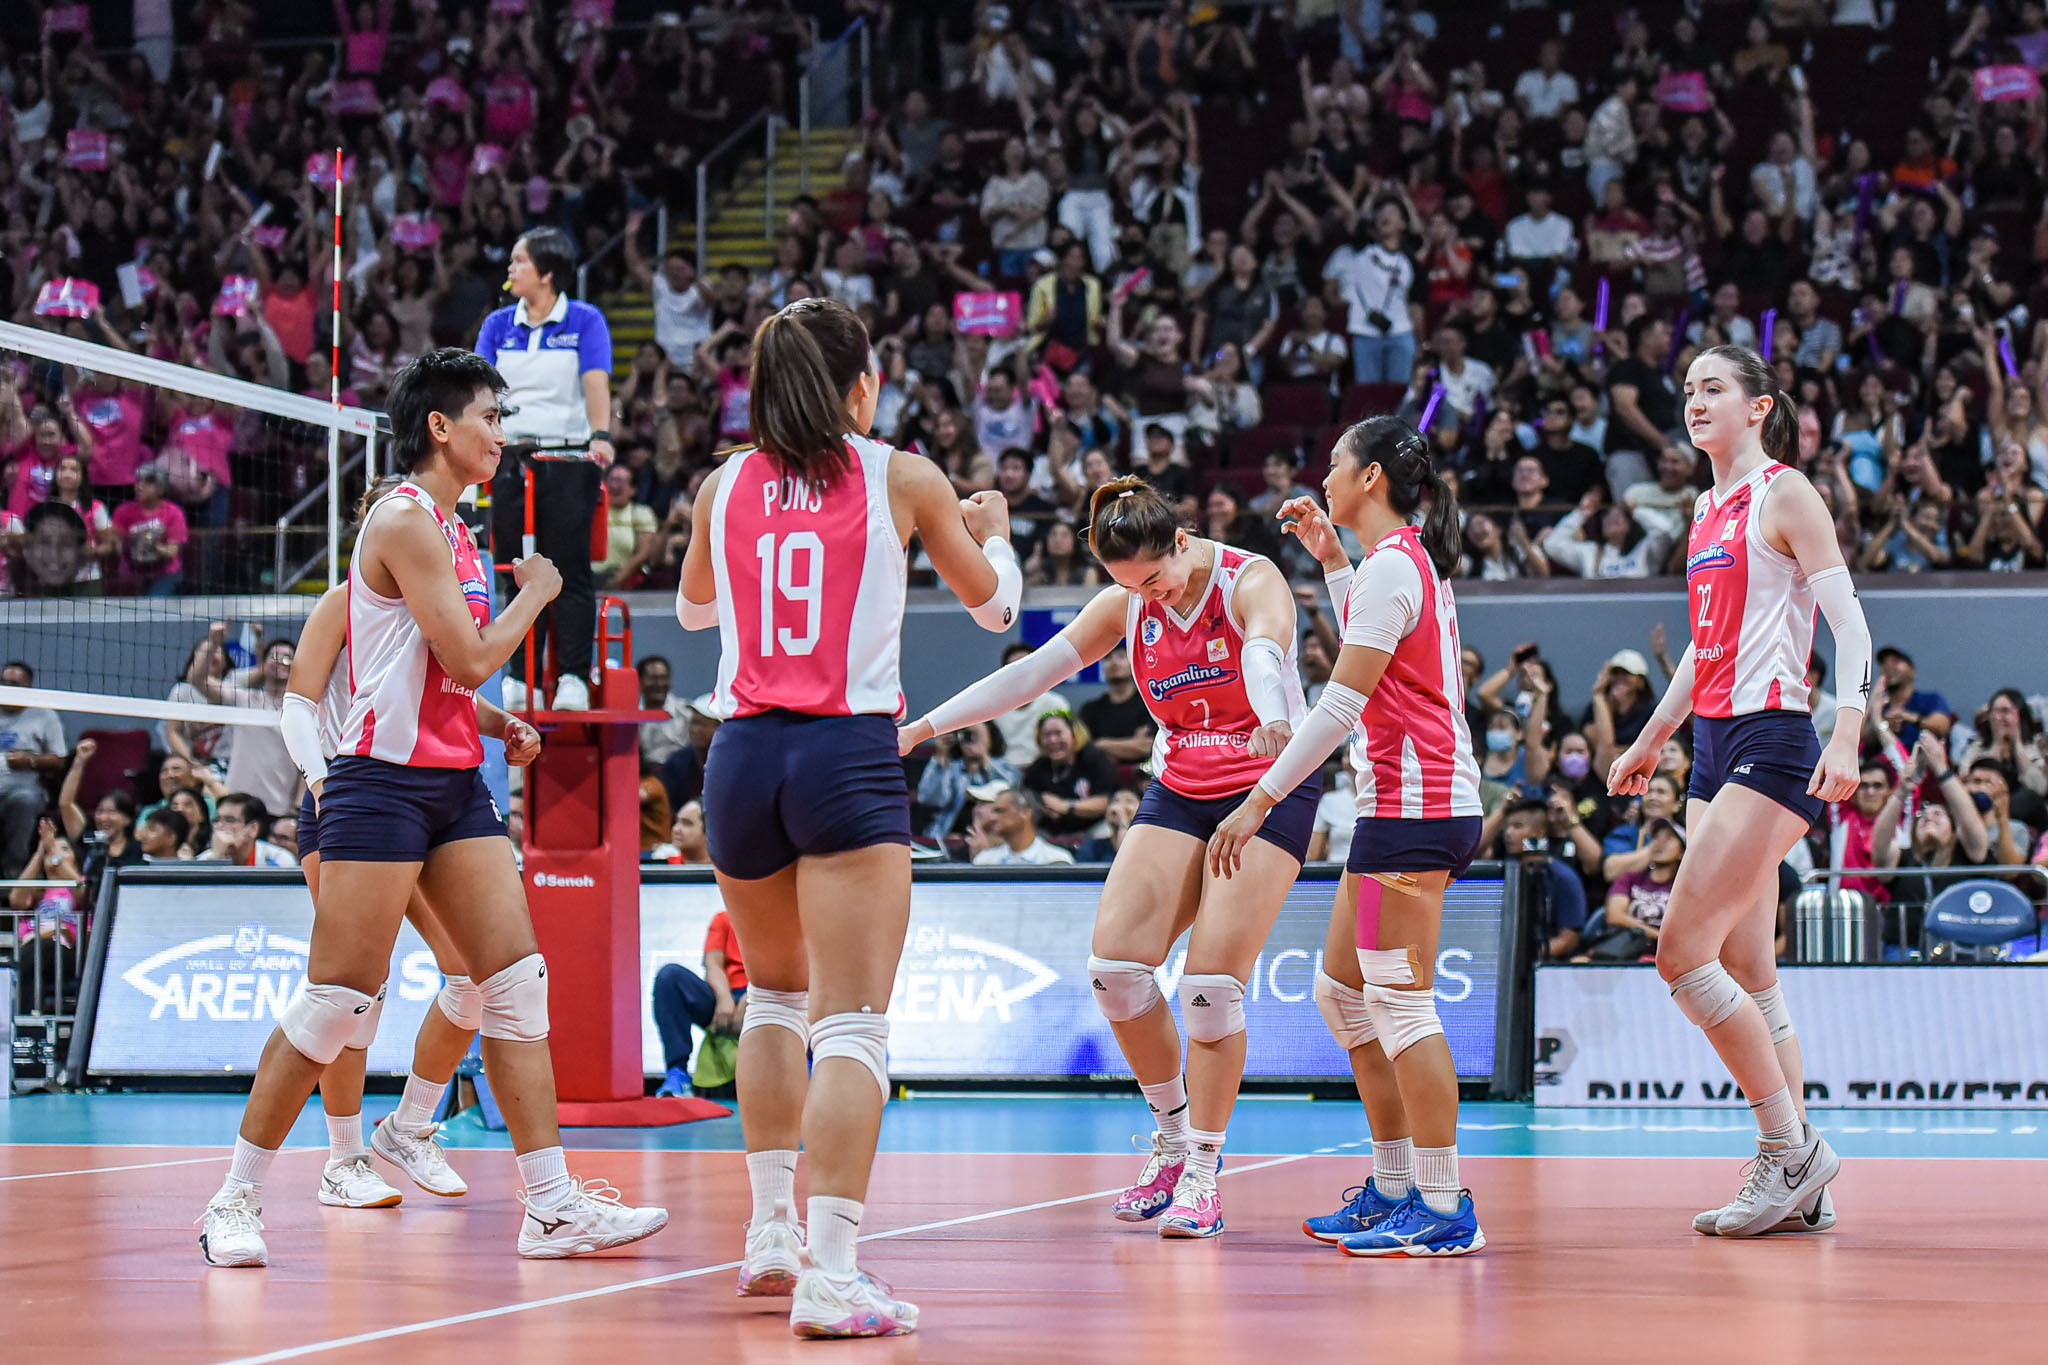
(1715, 556)
(1708, 654)
(556, 879)
(1189, 678)
(947, 977)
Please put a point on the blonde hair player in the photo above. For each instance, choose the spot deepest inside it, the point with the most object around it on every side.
(1211, 635)
(1762, 557)
(798, 559)
(1398, 684)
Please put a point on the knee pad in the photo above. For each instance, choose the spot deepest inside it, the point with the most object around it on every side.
(1778, 1019)
(366, 1025)
(1211, 1006)
(320, 1020)
(1123, 990)
(1707, 995)
(779, 1009)
(863, 1038)
(462, 1003)
(1402, 1017)
(1344, 1010)
(515, 1002)
(1386, 967)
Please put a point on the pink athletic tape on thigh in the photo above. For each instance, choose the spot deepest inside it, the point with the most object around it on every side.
(1369, 893)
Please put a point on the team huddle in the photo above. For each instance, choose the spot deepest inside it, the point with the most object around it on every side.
(798, 561)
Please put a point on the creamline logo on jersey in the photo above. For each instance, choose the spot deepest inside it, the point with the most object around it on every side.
(247, 976)
(947, 977)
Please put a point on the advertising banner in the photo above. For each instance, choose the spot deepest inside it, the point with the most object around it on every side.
(1957, 1037)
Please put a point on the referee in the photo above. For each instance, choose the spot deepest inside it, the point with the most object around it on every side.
(555, 354)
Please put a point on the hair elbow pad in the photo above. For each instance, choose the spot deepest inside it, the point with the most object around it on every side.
(999, 613)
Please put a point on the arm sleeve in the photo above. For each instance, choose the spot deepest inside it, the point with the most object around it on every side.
(1335, 715)
(999, 613)
(1009, 687)
(1384, 604)
(1265, 679)
(1836, 595)
(1339, 585)
(300, 722)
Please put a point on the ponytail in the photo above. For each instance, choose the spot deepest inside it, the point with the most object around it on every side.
(1403, 456)
(1780, 434)
(1128, 519)
(806, 357)
(1443, 534)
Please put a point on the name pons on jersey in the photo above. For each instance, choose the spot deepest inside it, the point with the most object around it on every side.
(791, 495)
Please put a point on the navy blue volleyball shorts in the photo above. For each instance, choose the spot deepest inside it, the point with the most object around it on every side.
(1391, 843)
(372, 811)
(1772, 752)
(1288, 825)
(782, 785)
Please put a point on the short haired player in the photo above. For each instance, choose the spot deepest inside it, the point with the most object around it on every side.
(404, 806)
(1761, 561)
(1211, 634)
(1397, 681)
(798, 558)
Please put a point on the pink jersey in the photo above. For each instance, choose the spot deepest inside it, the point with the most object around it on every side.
(1751, 609)
(403, 706)
(1413, 750)
(1190, 671)
(810, 586)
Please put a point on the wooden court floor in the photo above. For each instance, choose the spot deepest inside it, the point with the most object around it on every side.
(1014, 1258)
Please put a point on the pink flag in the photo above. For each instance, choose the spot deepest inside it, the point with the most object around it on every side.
(237, 293)
(85, 149)
(356, 97)
(989, 315)
(1997, 84)
(320, 169)
(489, 156)
(446, 92)
(68, 298)
(410, 233)
(67, 19)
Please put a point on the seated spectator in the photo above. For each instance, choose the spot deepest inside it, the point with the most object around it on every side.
(1329, 840)
(163, 837)
(1064, 312)
(1645, 402)
(1031, 514)
(1070, 779)
(1122, 727)
(1668, 502)
(1913, 539)
(240, 824)
(1466, 382)
(685, 838)
(966, 766)
(1166, 473)
(1311, 350)
(1229, 405)
(1225, 519)
(151, 532)
(1123, 808)
(1626, 849)
(630, 540)
(1637, 900)
(660, 738)
(2008, 837)
(1899, 702)
(1005, 834)
(110, 840)
(2007, 734)
(1621, 706)
(58, 910)
(1944, 833)
(1495, 557)
(1539, 240)
(1004, 416)
(682, 772)
(1060, 562)
(1545, 91)
(655, 820)
(32, 738)
(715, 1002)
(1607, 542)
(1560, 908)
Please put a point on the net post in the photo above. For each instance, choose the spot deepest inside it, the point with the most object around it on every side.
(334, 394)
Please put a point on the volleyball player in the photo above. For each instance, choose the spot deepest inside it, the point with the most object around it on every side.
(405, 806)
(798, 557)
(1762, 558)
(1397, 678)
(1211, 635)
(315, 708)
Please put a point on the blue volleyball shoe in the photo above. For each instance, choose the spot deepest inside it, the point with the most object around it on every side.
(1364, 1206)
(1415, 1229)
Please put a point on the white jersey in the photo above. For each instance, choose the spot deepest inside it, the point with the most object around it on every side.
(334, 705)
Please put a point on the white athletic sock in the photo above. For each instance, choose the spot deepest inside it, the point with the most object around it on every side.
(345, 1136)
(773, 1177)
(250, 1166)
(1777, 1118)
(1436, 1175)
(415, 1112)
(1168, 1101)
(545, 1173)
(1205, 1154)
(1393, 1168)
(834, 1226)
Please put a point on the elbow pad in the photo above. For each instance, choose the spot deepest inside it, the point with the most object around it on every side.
(1835, 593)
(1009, 687)
(695, 615)
(300, 724)
(999, 613)
(1265, 679)
(1335, 716)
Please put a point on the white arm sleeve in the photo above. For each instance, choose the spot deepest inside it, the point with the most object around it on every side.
(1009, 687)
(1265, 679)
(1385, 602)
(1335, 715)
(1339, 584)
(300, 722)
(695, 615)
(1836, 594)
(999, 613)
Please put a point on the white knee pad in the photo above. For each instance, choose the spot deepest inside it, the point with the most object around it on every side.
(366, 1026)
(1707, 995)
(320, 1020)
(515, 1002)
(1123, 990)
(863, 1038)
(1401, 1015)
(1211, 1006)
(778, 1009)
(1778, 1019)
(1344, 1011)
(462, 1003)
(1386, 967)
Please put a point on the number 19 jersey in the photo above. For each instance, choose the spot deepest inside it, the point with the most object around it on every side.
(810, 588)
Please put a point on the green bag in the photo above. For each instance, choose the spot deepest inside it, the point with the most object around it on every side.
(717, 1058)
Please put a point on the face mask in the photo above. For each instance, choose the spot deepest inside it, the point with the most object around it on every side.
(1499, 741)
(1574, 766)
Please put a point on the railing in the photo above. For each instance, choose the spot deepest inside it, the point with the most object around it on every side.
(711, 158)
(823, 90)
(583, 270)
(328, 490)
(1831, 923)
(33, 979)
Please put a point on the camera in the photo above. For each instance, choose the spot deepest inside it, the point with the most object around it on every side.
(1378, 321)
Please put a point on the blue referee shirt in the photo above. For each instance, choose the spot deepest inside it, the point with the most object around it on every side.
(544, 366)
